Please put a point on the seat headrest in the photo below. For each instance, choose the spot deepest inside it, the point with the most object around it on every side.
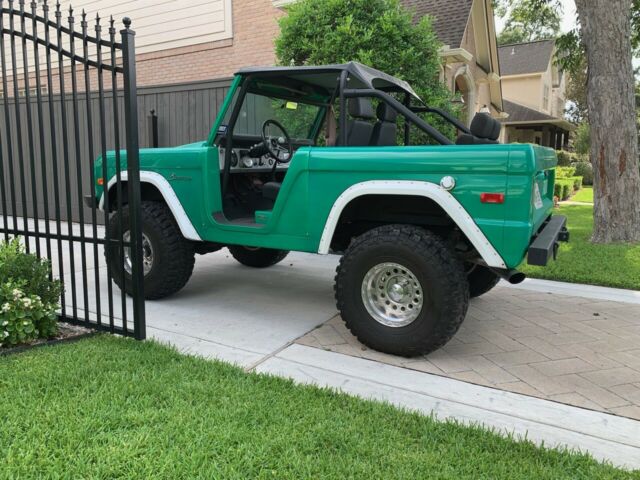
(484, 126)
(361, 108)
(385, 113)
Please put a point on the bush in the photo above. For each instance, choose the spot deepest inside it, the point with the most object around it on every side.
(378, 33)
(28, 297)
(582, 141)
(577, 182)
(563, 188)
(584, 170)
(565, 172)
(564, 158)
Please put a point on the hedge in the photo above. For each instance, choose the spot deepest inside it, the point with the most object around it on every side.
(563, 189)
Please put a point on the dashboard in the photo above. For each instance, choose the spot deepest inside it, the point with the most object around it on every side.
(241, 162)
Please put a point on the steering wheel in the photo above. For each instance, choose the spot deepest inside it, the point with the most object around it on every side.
(278, 146)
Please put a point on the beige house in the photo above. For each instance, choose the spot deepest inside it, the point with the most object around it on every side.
(470, 54)
(533, 88)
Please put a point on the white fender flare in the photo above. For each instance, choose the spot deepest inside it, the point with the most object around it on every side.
(413, 188)
(186, 227)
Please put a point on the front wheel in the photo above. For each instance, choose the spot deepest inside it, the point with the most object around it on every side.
(401, 290)
(168, 258)
(257, 257)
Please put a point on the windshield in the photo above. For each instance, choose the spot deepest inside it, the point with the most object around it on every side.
(299, 119)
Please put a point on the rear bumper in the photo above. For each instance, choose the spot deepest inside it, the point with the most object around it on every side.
(545, 244)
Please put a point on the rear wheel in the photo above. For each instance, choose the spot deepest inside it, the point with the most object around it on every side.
(257, 257)
(401, 290)
(168, 258)
(481, 280)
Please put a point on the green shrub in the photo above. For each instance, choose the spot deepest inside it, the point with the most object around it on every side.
(564, 158)
(582, 141)
(565, 172)
(28, 297)
(584, 170)
(563, 188)
(378, 33)
(577, 182)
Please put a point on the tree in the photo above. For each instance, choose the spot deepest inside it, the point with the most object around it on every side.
(576, 93)
(528, 21)
(378, 33)
(606, 28)
(608, 33)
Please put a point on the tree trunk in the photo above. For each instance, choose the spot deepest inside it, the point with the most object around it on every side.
(606, 32)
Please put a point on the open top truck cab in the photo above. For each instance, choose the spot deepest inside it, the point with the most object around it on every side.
(340, 159)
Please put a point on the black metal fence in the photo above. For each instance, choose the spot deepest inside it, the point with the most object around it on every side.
(65, 90)
(184, 113)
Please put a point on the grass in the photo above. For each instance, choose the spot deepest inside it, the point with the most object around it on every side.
(580, 261)
(113, 408)
(585, 194)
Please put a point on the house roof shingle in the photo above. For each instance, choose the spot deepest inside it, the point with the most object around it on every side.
(524, 58)
(520, 113)
(450, 18)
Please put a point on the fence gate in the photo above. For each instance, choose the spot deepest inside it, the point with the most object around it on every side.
(68, 101)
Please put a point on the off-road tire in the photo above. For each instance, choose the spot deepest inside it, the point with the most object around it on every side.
(441, 276)
(257, 257)
(481, 280)
(174, 256)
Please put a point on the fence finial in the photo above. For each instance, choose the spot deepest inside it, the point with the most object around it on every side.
(127, 22)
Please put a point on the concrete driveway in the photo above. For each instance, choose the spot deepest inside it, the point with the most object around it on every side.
(240, 314)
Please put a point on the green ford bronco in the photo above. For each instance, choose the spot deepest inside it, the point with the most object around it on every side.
(339, 159)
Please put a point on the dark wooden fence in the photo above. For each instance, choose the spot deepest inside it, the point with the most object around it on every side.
(185, 114)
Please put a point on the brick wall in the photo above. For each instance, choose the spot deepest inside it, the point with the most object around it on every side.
(255, 26)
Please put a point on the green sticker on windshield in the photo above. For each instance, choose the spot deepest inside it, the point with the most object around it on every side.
(292, 106)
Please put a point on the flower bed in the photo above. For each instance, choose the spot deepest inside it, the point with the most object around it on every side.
(29, 297)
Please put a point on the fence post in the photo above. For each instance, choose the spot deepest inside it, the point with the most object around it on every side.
(153, 129)
(133, 168)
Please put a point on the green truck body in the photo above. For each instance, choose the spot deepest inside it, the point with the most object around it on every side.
(317, 176)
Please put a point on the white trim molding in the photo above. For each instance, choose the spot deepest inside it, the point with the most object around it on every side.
(413, 188)
(186, 227)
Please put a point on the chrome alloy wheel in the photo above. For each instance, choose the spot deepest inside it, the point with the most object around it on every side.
(147, 254)
(392, 295)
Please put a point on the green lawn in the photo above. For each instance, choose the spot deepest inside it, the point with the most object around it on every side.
(580, 261)
(585, 194)
(113, 408)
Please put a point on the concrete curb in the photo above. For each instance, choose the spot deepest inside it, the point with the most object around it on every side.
(578, 290)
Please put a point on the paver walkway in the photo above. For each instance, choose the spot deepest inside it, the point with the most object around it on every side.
(578, 351)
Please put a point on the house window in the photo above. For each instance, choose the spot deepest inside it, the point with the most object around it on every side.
(33, 92)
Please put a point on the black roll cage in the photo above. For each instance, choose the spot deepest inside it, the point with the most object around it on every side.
(344, 93)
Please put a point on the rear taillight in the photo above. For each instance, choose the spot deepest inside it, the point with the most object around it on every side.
(492, 197)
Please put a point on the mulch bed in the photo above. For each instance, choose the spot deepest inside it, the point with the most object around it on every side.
(66, 333)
